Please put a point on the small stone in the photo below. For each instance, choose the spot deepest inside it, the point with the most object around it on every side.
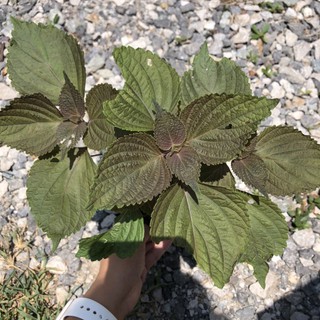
(316, 46)
(301, 50)
(316, 246)
(54, 13)
(95, 63)
(34, 263)
(266, 316)
(3, 187)
(242, 20)
(22, 193)
(291, 75)
(277, 91)
(187, 8)
(291, 38)
(245, 313)
(304, 238)
(62, 295)
(157, 294)
(7, 93)
(257, 290)
(306, 262)
(6, 164)
(297, 115)
(299, 316)
(242, 36)
(74, 2)
(209, 25)
(56, 265)
(290, 3)
(307, 12)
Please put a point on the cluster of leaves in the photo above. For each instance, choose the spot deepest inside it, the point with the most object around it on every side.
(167, 140)
(260, 33)
(307, 205)
(273, 7)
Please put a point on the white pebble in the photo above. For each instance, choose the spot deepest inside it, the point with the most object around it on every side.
(3, 187)
(56, 265)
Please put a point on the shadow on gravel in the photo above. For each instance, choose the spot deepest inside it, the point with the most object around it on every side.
(170, 294)
(301, 304)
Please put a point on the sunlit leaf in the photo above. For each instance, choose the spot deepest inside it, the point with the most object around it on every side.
(214, 229)
(169, 131)
(39, 55)
(208, 76)
(30, 124)
(148, 78)
(267, 237)
(100, 133)
(132, 171)
(123, 238)
(292, 160)
(218, 126)
(58, 192)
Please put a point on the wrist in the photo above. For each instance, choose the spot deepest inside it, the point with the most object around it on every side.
(113, 301)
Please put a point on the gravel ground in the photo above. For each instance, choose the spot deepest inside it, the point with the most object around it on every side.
(286, 66)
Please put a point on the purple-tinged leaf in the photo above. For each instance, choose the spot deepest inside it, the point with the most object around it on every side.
(71, 102)
(132, 171)
(185, 165)
(30, 124)
(252, 171)
(169, 131)
(100, 133)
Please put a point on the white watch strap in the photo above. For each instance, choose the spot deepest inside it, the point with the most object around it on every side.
(85, 309)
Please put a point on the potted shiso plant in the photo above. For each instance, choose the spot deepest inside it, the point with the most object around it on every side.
(171, 146)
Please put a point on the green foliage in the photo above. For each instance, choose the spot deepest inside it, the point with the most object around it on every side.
(273, 7)
(38, 65)
(165, 142)
(25, 295)
(261, 33)
(267, 71)
(208, 76)
(124, 238)
(306, 205)
(148, 79)
(58, 192)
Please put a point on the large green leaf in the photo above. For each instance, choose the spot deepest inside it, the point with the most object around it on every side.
(214, 228)
(39, 56)
(218, 126)
(30, 124)
(100, 133)
(208, 76)
(292, 160)
(132, 171)
(148, 78)
(58, 192)
(267, 237)
(123, 239)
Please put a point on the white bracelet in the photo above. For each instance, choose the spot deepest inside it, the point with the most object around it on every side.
(85, 309)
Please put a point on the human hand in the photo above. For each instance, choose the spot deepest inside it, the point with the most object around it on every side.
(119, 281)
